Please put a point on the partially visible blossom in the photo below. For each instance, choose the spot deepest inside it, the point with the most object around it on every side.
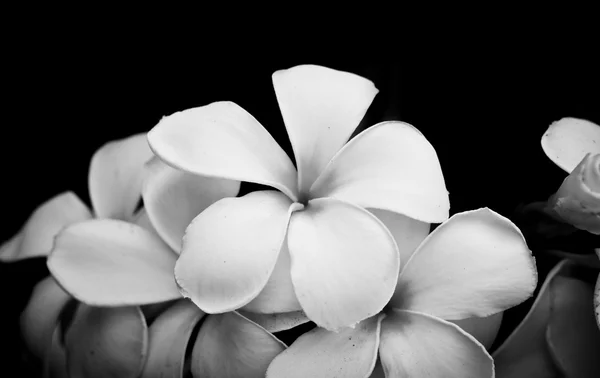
(473, 266)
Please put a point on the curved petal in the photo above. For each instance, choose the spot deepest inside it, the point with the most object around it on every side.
(37, 235)
(230, 250)
(229, 345)
(40, 317)
(106, 262)
(106, 342)
(168, 337)
(474, 265)
(344, 262)
(568, 140)
(419, 345)
(389, 166)
(173, 198)
(484, 330)
(55, 361)
(408, 233)
(351, 352)
(222, 140)
(320, 107)
(277, 322)
(115, 177)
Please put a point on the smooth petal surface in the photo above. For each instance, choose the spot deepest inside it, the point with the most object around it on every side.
(277, 322)
(106, 262)
(173, 198)
(230, 250)
(231, 346)
(484, 330)
(37, 235)
(115, 177)
(344, 262)
(106, 342)
(168, 337)
(223, 140)
(418, 345)
(55, 360)
(321, 353)
(389, 166)
(320, 107)
(568, 140)
(474, 265)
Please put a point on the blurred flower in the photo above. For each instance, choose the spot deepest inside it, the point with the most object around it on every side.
(559, 336)
(311, 245)
(473, 266)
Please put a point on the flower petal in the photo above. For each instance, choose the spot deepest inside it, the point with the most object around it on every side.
(320, 107)
(568, 140)
(389, 166)
(408, 233)
(55, 361)
(344, 262)
(115, 177)
(351, 352)
(597, 301)
(419, 345)
(277, 322)
(474, 265)
(229, 345)
(168, 337)
(37, 235)
(223, 140)
(106, 262)
(173, 198)
(484, 330)
(230, 250)
(106, 342)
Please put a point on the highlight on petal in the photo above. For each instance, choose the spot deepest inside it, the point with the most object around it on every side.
(223, 140)
(168, 337)
(37, 235)
(389, 166)
(173, 198)
(349, 353)
(106, 262)
(115, 177)
(231, 346)
(568, 140)
(320, 107)
(231, 248)
(106, 342)
(277, 322)
(419, 345)
(345, 262)
(474, 265)
(483, 330)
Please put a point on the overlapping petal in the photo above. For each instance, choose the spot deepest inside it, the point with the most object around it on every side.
(231, 346)
(231, 248)
(223, 140)
(107, 262)
(349, 353)
(55, 360)
(277, 322)
(173, 198)
(344, 262)
(320, 107)
(484, 330)
(475, 264)
(389, 166)
(568, 140)
(115, 176)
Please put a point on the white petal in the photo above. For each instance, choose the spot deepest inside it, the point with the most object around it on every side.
(568, 140)
(344, 262)
(231, 248)
(115, 177)
(107, 262)
(223, 140)
(277, 322)
(484, 330)
(418, 345)
(474, 265)
(389, 166)
(320, 353)
(320, 107)
(173, 198)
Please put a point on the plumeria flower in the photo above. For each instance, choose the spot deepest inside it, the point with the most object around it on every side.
(475, 265)
(311, 244)
(558, 337)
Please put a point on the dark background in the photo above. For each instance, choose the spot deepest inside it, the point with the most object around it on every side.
(484, 111)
